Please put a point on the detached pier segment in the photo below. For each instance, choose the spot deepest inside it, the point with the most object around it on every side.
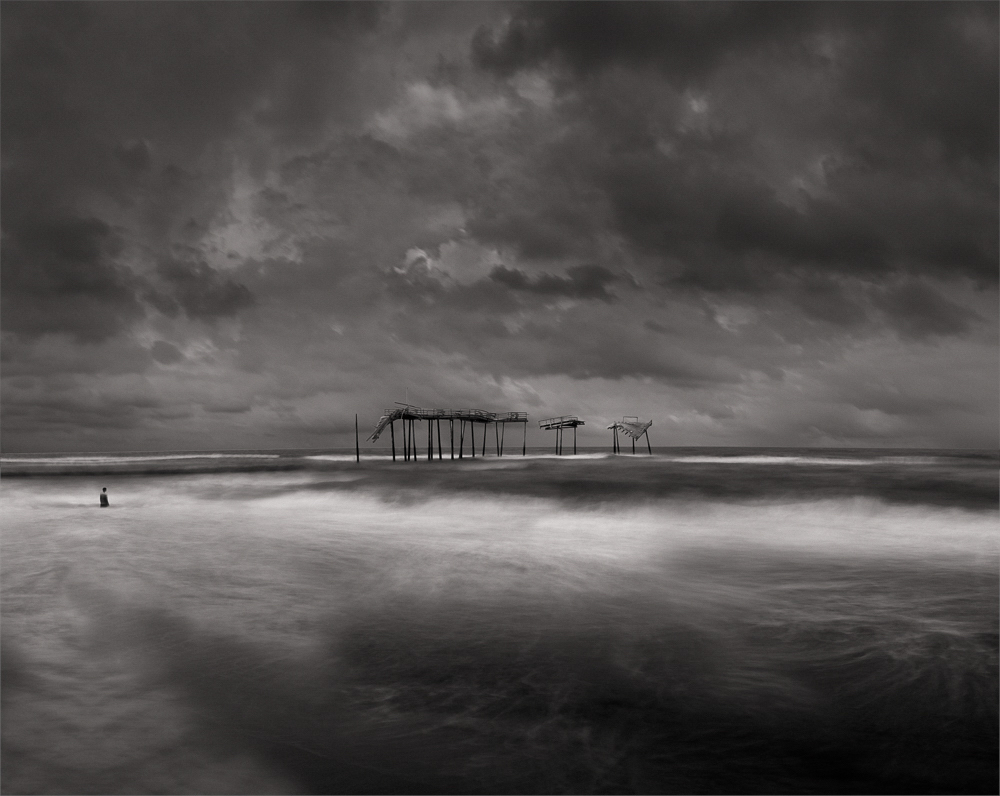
(559, 424)
(632, 427)
(408, 415)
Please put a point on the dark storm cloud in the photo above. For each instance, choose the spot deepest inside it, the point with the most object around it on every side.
(199, 290)
(824, 234)
(917, 310)
(122, 99)
(166, 353)
(825, 299)
(544, 233)
(581, 281)
(915, 60)
(59, 275)
(932, 67)
(899, 80)
(683, 38)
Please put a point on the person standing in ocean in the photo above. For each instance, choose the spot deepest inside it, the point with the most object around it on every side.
(104, 498)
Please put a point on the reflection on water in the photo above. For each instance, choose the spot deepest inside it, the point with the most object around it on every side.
(299, 632)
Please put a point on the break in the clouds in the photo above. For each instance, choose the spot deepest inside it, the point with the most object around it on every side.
(237, 224)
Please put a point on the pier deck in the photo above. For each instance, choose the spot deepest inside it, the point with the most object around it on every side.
(557, 424)
(408, 414)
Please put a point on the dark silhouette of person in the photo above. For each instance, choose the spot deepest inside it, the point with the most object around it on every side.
(104, 498)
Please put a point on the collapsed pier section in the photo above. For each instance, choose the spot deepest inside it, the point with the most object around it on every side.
(409, 415)
(633, 427)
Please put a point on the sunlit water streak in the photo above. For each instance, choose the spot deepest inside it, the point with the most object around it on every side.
(497, 628)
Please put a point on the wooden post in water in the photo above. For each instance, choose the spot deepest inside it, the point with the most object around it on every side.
(461, 437)
(633, 446)
(614, 439)
(438, 423)
(451, 423)
(406, 442)
(472, 431)
(486, 426)
(392, 436)
(574, 440)
(524, 442)
(648, 446)
(503, 430)
(357, 440)
(496, 429)
(430, 439)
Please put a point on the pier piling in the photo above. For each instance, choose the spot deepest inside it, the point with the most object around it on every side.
(408, 415)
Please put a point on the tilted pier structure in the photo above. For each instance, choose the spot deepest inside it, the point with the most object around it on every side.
(633, 427)
(408, 415)
(558, 424)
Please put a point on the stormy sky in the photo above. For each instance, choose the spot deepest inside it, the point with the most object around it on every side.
(232, 225)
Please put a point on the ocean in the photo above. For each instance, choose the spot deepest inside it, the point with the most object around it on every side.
(694, 621)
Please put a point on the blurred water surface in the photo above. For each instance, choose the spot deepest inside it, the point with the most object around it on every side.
(691, 622)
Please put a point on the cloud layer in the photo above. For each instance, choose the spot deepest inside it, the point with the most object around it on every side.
(236, 225)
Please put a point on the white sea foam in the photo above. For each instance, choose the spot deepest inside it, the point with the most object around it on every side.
(808, 460)
(118, 459)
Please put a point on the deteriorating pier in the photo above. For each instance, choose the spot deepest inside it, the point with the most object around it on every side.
(632, 427)
(409, 415)
(559, 424)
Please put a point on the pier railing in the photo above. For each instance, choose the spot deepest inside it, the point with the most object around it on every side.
(563, 421)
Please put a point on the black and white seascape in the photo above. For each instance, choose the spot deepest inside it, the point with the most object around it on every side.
(740, 258)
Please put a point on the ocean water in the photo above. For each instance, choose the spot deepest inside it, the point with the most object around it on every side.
(696, 621)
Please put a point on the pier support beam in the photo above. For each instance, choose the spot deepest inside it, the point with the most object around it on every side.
(524, 441)
(392, 436)
(440, 455)
(574, 440)
(451, 423)
(648, 446)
